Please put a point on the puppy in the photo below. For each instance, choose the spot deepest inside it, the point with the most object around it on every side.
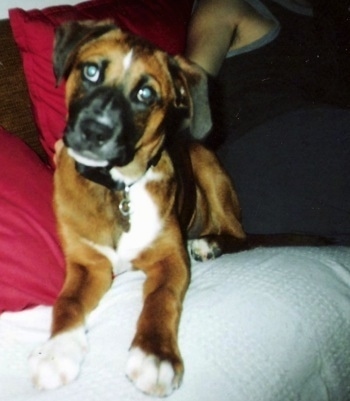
(132, 185)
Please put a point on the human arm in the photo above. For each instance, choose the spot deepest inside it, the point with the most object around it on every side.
(218, 26)
(210, 34)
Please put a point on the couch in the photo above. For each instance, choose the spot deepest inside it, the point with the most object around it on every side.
(261, 325)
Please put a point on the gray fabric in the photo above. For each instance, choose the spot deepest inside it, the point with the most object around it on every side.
(269, 37)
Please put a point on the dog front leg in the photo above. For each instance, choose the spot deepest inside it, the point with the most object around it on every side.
(155, 364)
(57, 362)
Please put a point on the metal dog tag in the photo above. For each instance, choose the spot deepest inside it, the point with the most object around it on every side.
(124, 205)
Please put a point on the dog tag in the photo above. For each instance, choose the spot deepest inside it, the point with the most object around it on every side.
(124, 205)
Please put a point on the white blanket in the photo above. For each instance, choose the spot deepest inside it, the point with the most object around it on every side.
(264, 325)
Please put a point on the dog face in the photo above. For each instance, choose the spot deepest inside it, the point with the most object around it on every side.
(122, 93)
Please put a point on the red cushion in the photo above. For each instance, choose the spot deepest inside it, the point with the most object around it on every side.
(160, 21)
(31, 262)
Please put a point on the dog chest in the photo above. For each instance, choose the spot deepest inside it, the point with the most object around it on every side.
(145, 226)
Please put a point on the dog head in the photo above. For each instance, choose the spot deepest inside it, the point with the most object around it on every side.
(123, 94)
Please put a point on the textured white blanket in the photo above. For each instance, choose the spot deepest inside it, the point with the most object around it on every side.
(263, 325)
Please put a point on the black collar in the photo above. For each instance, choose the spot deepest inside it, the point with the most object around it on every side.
(102, 175)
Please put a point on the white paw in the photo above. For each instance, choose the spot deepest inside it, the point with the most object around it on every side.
(201, 249)
(150, 374)
(57, 362)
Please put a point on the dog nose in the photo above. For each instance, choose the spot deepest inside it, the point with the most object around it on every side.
(96, 132)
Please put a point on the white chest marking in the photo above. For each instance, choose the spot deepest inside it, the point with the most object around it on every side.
(145, 227)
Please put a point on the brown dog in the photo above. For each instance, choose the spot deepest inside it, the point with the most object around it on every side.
(130, 188)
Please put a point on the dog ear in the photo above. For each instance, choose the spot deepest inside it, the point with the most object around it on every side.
(191, 86)
(69, 37)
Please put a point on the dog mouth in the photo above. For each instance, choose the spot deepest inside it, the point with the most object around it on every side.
(87, 159)
(93, 143)
(88, 154)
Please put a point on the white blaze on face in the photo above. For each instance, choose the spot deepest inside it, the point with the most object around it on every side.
(127, 60)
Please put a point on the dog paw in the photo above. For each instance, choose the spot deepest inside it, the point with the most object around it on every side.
(202, 249)
(57, 362)
(151, 375)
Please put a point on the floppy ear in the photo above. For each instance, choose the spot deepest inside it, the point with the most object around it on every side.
(191, 86)
(69, 37)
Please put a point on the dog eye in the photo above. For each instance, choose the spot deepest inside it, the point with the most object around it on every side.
(146, 95)
(91, 72)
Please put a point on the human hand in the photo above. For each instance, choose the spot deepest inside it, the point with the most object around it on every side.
(58, 147)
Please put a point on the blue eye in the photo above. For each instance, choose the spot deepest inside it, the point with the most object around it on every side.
(92, 72)
(146, 95)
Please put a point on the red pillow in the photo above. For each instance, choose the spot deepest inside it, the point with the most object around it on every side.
(160, 21)
(31, 261)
